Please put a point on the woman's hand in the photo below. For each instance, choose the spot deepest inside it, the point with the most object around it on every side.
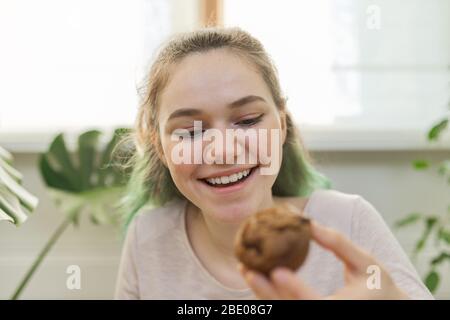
(285, 284)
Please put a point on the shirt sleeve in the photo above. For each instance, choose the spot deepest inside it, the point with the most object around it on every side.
(370, 231)
(127, 285)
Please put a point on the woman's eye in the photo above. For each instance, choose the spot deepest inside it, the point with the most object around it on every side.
(250, 121)
(195, 133)
(190, 134)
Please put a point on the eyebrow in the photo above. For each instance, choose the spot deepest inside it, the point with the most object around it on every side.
(243, 101)
(186, 112)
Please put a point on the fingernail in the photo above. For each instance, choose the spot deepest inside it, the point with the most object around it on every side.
(248, 277)
(254, 278)
(280, 275)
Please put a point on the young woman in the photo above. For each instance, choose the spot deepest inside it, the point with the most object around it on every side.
(183, 248)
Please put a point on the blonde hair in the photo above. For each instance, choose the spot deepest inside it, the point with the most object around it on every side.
(150, 179)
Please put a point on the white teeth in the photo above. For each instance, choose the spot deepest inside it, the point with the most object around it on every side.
(228, 179)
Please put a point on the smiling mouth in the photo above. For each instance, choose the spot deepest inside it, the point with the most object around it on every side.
(226, 181)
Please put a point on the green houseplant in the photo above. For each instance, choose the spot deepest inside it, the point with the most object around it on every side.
(435, 226)
(86, 181)
(16, 203)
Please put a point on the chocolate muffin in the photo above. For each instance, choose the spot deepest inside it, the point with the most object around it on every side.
(272, 238)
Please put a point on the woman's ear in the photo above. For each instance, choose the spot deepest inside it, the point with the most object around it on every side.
(161, 155)
(283, 125)
(158, 147)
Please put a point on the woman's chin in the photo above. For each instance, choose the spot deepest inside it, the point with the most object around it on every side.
(232, 214)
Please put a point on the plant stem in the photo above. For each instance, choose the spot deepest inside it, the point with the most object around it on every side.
(55, 236)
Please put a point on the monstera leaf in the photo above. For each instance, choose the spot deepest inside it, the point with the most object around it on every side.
(15, 202)
(87, 180)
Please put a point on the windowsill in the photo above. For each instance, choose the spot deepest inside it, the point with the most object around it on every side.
(316, 139)
(373, 139)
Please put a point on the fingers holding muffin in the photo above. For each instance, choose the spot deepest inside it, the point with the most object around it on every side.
(272, 245)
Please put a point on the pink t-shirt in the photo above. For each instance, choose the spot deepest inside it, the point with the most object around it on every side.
(158, 261)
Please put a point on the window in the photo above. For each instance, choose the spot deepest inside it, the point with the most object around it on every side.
(75, 63)
(345, 65)
(355, 64)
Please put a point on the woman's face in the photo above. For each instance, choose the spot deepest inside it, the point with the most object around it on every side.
(203, 87)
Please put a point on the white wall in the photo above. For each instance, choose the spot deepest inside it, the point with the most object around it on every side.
(384, 178)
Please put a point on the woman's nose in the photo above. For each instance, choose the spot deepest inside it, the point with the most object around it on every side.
(226, 149)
